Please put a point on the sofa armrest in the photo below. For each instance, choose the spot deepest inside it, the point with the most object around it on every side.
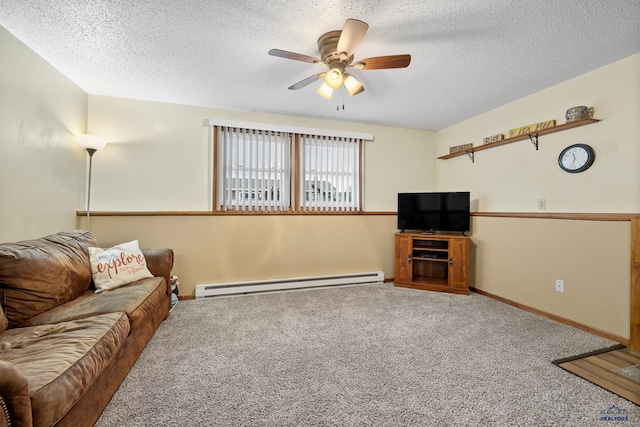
(160, 263)
(14, 391)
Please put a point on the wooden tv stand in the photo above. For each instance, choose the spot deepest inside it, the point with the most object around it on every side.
(432, 262)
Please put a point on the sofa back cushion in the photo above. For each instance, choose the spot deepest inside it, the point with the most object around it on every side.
(4, 323)
(37, 275)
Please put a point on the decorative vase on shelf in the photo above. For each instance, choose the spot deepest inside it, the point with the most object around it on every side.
(577, 113)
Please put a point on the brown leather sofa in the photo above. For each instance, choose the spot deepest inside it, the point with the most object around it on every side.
(65, 349)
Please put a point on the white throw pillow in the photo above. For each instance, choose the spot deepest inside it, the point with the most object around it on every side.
(117, 266)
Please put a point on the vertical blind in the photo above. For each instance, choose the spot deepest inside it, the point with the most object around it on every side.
(256, 167)
(257, 171)
(330, 173)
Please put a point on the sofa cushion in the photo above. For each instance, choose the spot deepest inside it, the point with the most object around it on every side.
(117, 266)
(37, 275)
(137, 300)
(62, 360)
(4, 323)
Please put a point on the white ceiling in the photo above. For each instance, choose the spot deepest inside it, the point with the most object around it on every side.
(468, 56)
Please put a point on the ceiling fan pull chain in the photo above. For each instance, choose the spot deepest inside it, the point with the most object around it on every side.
(344, 90)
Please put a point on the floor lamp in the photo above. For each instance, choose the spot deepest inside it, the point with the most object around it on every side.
(91, 143)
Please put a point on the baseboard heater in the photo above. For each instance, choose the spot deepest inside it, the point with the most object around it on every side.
(238, 288)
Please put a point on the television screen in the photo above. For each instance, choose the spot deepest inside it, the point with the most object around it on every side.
(448, 211)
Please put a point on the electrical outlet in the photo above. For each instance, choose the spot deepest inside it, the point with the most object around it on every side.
(559, 285)
(542, 204)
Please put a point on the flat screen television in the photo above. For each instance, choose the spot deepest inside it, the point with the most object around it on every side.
(431, 212)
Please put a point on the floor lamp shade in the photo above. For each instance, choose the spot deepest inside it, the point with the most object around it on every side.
(91, 143)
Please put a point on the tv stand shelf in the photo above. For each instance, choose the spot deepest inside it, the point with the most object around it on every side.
(433, 262)
(428, 282)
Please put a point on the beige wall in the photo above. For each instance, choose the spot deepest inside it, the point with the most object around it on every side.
(158, 160)
(219, 249)
(42, 168)
(513, 177)
(158, 156)
(520, 260)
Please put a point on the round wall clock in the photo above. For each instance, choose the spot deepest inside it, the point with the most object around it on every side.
(576, 158)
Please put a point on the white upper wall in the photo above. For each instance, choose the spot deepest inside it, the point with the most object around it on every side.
(513, 177)
(42, 168)
(158, 156)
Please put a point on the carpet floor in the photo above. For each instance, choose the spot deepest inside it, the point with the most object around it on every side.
(373, 355)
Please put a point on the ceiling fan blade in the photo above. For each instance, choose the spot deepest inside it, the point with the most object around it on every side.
(307, 81)
(351, 36)
(292, 55)
(384, 62)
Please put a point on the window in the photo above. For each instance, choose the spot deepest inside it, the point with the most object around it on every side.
(286, 170)
(255, 172)
(329, 173)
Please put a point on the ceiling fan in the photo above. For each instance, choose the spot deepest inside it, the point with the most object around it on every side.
(336, 50)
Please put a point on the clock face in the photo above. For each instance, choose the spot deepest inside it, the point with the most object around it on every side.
(576, 158)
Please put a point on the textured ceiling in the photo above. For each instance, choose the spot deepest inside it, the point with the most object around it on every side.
(468, 56)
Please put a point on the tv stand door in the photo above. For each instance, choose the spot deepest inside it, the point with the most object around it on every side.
(458, 263)
(404, 265)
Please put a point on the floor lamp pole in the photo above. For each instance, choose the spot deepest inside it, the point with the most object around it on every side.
(91, 151)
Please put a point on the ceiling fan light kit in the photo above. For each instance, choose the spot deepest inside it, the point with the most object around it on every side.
(352, 85)
(336, 50)
(333, 78)
(325, 91)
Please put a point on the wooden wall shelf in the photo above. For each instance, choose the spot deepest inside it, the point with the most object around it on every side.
(547, 131)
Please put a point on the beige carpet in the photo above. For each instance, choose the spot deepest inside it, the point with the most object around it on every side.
(371, 355)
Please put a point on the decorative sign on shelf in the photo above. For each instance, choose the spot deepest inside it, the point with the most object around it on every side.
(458, 148)
(493, 138)
(531, 129)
